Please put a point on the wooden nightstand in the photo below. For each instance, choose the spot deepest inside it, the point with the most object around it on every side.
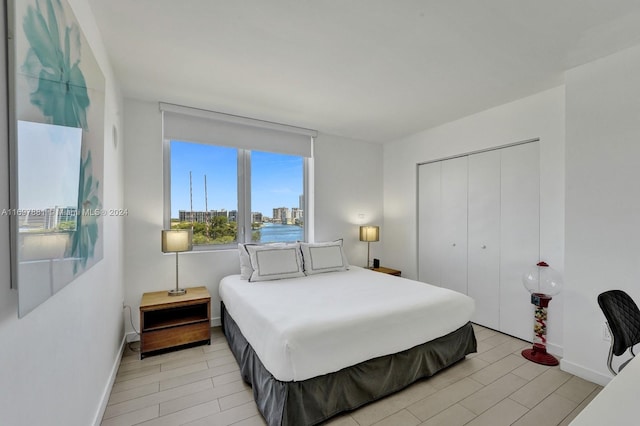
(387, 271)
(171, 321)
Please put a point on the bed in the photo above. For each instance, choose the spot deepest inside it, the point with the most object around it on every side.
(317, 344)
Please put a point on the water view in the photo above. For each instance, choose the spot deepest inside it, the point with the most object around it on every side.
(277, 233)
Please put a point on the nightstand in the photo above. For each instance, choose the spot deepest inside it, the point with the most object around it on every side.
(387, 271)
(171, 321)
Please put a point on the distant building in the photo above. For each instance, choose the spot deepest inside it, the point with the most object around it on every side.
(282, 215)
(47, 219)
(203, 216)
(297, 215)
(256, 217)
(196, 216)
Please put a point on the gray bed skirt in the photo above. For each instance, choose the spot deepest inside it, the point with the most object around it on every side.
(314, 400)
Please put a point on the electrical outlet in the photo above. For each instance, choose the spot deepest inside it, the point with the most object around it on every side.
(606, 334)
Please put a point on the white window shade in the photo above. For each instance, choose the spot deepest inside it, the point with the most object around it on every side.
(196, 125)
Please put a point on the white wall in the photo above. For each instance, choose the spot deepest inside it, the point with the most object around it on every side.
(348, 193)
(603, 201)
(539, 116)
(347, 182)
(56, 363)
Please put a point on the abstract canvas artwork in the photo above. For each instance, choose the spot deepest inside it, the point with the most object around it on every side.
(57, 139)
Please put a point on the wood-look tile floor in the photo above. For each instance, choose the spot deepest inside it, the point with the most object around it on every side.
(493, 387)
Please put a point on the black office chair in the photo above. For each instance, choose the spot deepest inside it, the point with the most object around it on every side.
(623, 320)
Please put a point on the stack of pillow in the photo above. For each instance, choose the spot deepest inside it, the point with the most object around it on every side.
(289, 260)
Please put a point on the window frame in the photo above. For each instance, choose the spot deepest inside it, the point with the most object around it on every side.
(244, 195)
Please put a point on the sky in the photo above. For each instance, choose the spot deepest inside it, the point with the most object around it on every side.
(48, 165)
(277, 179)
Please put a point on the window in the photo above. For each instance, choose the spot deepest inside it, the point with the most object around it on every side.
(204, 192)
(277, 197)
(241, 182)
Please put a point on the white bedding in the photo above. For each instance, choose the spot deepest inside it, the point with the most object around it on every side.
(318, 324)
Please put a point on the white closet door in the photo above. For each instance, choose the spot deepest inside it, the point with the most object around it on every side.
(483, 274)
(519, 235)
(454, 224)
(429, 220)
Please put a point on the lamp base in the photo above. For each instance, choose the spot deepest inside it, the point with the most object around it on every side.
(177, 292)
(540, 356)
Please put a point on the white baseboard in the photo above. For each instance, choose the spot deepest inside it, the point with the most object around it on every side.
(107, 390)
(584, 373)
(216, 322)
(555, 350)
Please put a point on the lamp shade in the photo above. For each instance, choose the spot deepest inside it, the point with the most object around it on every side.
(177, 240)
(369, 233)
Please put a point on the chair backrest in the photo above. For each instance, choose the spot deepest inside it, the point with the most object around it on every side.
(623, 317)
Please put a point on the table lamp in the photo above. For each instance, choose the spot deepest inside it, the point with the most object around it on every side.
(369, 234)
(175, 241)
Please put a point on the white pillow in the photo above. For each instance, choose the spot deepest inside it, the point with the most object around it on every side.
(245, 262)
(275, 262)
(323, 257)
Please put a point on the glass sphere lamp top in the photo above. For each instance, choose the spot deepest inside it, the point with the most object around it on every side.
(542, 279)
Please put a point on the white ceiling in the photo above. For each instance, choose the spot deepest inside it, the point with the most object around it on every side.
(374, 70)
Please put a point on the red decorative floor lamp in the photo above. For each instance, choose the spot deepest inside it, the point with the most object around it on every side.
(542, 282)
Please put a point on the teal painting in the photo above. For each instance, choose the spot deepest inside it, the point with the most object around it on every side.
(54, 56)
(57, 84)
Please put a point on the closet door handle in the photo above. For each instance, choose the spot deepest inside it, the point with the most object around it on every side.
(484, 247)
(453, 245)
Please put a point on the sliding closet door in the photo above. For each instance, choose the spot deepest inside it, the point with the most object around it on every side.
(454, 224)
(519, 235)
(429, 219)
(483, 273)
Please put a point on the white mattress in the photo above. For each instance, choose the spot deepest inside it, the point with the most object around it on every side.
(314, 325)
